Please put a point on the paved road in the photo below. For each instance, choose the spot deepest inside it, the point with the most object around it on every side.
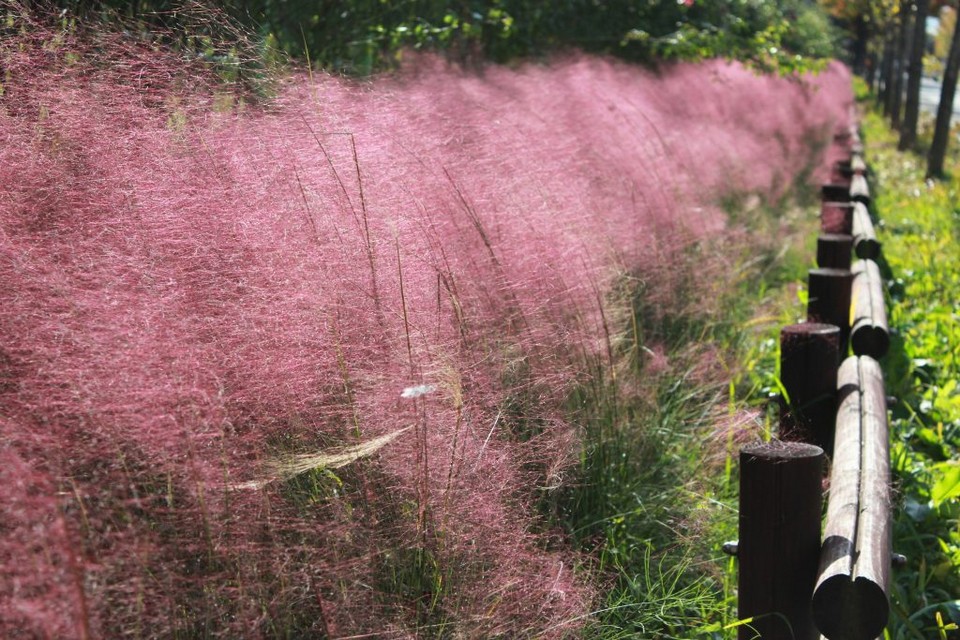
(930, 98)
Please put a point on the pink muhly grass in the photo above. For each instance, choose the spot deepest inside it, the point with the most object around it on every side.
(188, 295)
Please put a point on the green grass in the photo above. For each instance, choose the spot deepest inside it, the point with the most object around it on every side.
(655, 494)
(655, 497)
(920, 231)
(919, 225)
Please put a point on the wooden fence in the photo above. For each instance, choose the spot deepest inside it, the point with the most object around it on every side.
(799, 580)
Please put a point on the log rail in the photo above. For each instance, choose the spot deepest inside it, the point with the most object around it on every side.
(850, 597)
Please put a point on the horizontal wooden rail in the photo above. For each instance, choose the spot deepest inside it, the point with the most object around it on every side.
(869, 335)
(850, 599)
(846, 169)
(865, 243)
(858, 165)
(859, 190)
(847, 599)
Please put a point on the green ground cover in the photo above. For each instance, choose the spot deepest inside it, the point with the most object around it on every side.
(655, 496)
(919, 226)
(686, 589)
(920, 231)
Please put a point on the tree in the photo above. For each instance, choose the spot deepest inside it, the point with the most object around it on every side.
(900, 62)
(941, 131)
(886, 67)
(908, 130)
(859, 18)
(941, 42)
(896, 94)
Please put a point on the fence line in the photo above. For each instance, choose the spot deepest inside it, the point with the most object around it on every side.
(795, 584)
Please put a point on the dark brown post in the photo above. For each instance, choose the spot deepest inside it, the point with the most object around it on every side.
(840, 174)
(836, 217)
(865, 243)
(869, 335)
(780, 501)
(809, 353)
(828, 300)
(850, 600)
(834, 250)
(838, 192)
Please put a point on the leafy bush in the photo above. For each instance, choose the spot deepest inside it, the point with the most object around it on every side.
(363, 35)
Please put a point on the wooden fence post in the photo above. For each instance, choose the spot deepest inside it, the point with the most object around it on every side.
(836, 217)
(780, 501)
(850, 601)
(834, 250)
(828, 300)
(809, 353)
(838, 192)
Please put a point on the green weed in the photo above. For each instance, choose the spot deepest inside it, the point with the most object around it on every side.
(919, 225)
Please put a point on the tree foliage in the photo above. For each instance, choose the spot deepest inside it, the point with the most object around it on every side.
(941, 42)
(360, 36)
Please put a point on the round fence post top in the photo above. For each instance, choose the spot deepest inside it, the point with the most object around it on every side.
(779, 449)
(809, 328)
(836, 237)
(830, 272)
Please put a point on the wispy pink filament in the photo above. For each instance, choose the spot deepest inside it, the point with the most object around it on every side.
(185, 294)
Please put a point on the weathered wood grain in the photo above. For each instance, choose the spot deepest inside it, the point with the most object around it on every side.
(850, 599)
(865, 243)
(834, 250)
(828, 300)
(780, 502)
(809, 356)
(869, 335)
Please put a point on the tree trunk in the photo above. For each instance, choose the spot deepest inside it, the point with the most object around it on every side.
(941, 132)
(860, 46)
(908, 132)
(871, 71)
(896, 56)
(886, 69)
(903, 35)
